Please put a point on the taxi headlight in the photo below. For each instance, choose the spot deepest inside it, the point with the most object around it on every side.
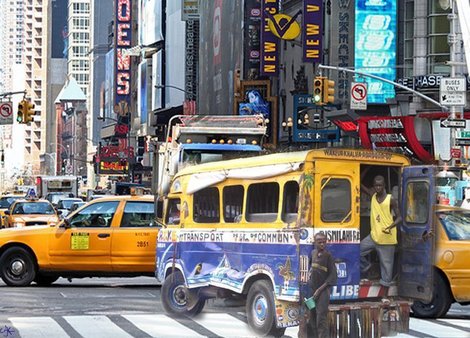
(18, 224)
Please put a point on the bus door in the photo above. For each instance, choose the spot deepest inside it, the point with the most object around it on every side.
(337, 198)
(416, 234)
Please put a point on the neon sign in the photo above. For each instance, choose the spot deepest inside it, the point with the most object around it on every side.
(375, 45)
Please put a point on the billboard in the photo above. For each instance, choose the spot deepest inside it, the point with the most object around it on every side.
(221, 48)
(59, 34)
(375, 45)
(150, 22)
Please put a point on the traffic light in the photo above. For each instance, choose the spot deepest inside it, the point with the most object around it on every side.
(328, 91)
(20, 116)
(29, 112)
(318, 87)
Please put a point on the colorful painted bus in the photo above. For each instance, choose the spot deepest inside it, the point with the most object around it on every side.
(246, 227)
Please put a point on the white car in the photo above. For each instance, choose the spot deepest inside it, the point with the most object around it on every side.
(65, 204)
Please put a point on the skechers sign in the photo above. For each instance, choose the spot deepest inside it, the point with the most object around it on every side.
(375, 45)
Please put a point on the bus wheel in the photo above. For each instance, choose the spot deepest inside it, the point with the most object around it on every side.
(439, 304)
(175, 297)
(17, 267)
(260, 309)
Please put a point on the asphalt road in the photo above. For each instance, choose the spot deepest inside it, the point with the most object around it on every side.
(130, 307)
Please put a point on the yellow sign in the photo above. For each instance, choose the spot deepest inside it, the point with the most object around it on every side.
(284, 26)
(80, 241)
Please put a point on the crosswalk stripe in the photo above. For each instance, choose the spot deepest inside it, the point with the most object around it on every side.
(463, 323)
(158, 325)
(224, 325)
(221, 324)
(435, 330)
(37, 327)
(96, 326)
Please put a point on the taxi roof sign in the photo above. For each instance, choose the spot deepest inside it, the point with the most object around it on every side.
(31, 193)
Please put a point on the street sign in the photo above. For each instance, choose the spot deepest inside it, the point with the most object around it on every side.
(6, 113)
(358, 95)
(463, 134)
(453, 91)
(456, 152)
(453, 123)
(462, 142)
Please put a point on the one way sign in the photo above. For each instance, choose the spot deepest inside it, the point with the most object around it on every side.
(453, 123)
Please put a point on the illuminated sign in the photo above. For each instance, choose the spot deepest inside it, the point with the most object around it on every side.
(312, 30)
(395, 134)
(375, 45)
(123, 36)
(309, 125)
(269, 42)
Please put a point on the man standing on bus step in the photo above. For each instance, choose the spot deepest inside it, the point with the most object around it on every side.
(323, 276)
(383, 232)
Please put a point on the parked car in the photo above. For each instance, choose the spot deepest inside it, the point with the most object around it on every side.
(113, 236)
(64, 205)
(452, 264)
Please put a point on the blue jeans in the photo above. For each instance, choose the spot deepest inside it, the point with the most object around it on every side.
(386, 255)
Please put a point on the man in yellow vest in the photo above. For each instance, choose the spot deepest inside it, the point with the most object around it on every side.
(383, 233)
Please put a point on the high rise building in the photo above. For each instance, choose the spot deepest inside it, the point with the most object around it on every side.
(36, 64)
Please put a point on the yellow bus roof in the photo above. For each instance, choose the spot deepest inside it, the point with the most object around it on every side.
(367, 156)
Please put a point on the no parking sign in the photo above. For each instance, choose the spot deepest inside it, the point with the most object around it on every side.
(6, 113)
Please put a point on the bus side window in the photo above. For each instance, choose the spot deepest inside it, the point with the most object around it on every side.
(335, 200)
(233, 203)
(290, 202)
(262, 202)
(173, 211)
(206, 206)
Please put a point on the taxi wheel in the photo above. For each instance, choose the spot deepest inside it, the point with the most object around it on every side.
(45, 280)
(440, 302)
(260, 309)
(17, 267)
(174, 295)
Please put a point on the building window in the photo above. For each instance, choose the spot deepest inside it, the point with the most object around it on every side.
(409, 35)
(438, 48)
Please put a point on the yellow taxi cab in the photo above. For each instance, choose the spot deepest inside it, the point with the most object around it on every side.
(452, 263)
(5, 202)
(31, 211)
(112, 236)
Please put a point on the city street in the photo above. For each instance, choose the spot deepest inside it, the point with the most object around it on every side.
(130, 307)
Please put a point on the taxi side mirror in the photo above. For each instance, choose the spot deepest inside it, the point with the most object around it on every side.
(66, 223)
(7, 212)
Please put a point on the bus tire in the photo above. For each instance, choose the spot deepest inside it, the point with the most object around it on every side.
(440, 302)
(17, 267)
(260, 309)
(175, 295)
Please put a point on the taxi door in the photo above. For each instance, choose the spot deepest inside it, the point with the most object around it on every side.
(416, 241)
(135, 237)
(83, 242)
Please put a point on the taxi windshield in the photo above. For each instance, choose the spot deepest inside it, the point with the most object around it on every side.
(36, 208)
(456, 224)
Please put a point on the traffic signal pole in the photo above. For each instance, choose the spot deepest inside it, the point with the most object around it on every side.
(396, 84)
